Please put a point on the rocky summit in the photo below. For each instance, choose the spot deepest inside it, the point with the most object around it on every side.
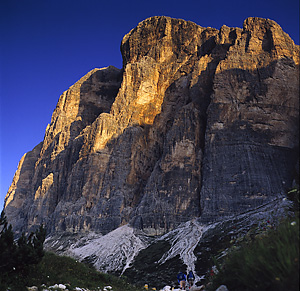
(199, 123)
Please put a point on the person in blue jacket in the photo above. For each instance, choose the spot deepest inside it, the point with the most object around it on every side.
(191, 278)
(181, 277)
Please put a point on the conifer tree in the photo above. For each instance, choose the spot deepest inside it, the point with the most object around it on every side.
(17, 256)
(7, 245)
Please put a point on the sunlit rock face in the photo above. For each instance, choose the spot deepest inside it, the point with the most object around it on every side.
(199, 122)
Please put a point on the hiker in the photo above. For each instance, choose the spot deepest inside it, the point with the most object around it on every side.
(191, 278)
(181, 280)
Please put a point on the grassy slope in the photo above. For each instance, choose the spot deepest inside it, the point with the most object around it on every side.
(269, 261)
(55, 269)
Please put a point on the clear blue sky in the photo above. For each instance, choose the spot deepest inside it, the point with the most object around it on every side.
(47, 45)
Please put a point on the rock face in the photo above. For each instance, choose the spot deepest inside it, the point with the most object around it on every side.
(199, 122)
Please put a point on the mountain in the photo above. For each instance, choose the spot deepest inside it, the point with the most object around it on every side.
(199, 126)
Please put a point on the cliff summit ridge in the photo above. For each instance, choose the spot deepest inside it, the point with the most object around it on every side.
(199, 123)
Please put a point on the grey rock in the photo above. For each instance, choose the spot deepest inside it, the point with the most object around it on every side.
(199, 123)
(222, 288)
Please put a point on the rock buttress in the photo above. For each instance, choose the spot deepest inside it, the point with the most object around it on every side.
(199, 122)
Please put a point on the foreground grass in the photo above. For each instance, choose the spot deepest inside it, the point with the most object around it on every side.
(269, 262)
(55, 269)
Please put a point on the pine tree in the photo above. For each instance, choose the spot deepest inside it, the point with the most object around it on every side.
(7, 245)
(17, 256)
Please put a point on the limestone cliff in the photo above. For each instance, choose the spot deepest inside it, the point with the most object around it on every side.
(199, 122)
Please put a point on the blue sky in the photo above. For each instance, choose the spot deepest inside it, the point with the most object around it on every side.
(47, 45)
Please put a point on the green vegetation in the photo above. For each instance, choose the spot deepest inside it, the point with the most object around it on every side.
(55, 269)
(24, 263)
(17, 257)
(267, 261)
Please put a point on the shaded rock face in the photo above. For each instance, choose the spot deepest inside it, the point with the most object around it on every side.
(199, 122)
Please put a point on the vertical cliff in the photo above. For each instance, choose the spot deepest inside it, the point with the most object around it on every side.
(199, 122)
(252, 128)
